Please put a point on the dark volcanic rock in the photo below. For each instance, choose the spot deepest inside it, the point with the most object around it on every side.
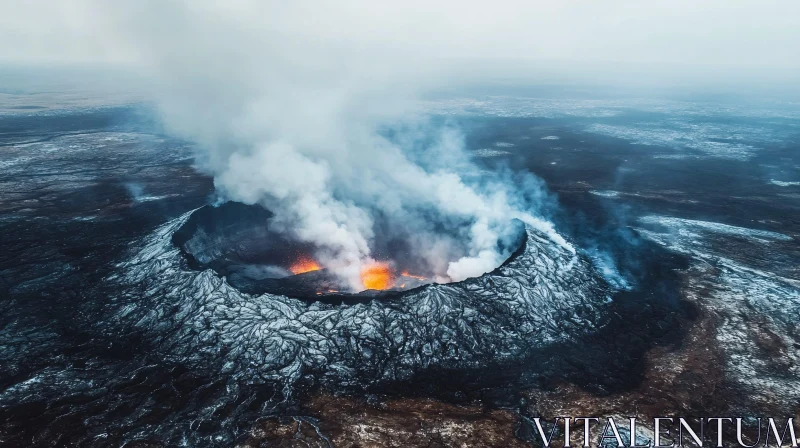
(544, 295)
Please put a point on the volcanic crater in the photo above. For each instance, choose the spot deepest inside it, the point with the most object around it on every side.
(237, 242)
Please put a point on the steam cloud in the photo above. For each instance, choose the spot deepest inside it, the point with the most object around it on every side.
(296, 120)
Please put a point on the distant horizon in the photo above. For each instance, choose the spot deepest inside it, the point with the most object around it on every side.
(38, 78)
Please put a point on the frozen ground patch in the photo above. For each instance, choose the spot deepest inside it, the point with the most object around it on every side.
(689, 228)
(605, 193)
(486, 152)
(516, 106)
(783, 184)
(707, 140)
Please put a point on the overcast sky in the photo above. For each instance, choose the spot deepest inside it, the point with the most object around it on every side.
(655, 40)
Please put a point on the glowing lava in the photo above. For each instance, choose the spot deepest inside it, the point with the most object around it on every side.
(418, 277)
(377, 276)
(304, 265)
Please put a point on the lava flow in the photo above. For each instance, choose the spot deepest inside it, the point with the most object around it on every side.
(377, 276)
(418, 277)
(304, 265)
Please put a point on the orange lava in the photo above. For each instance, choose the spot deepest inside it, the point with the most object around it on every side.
(377, 276)
(304, 265)
(418, 277)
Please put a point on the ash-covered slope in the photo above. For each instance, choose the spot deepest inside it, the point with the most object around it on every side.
(544, 295)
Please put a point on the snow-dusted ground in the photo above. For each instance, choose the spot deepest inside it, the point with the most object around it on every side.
(520, 106)
(692, 127)
(758, 310)
(690, 228)
(72, 198)
(704, 139)
(545, 295)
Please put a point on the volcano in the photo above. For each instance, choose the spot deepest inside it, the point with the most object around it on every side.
(193, 268)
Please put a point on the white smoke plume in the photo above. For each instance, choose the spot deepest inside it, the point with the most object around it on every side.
(291, 118)
(289, 100)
